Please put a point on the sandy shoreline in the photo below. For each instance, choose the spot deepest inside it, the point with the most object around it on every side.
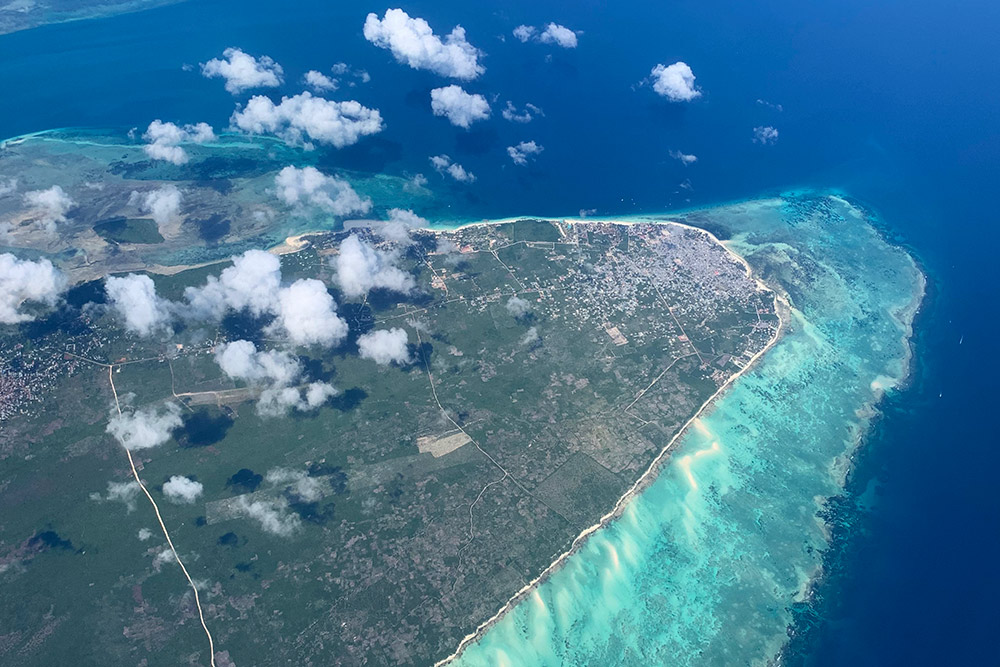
(782, 309)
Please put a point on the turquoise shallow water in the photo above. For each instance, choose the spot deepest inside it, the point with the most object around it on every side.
(703, 566)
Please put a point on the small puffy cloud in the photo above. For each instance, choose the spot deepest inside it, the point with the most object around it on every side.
(308, 489)
(144, 533)
(417, 184)
(274, 516)
(684, 157)
(397, 228)
(525, 33)
(530, 337)
(163, 204)
(559, 35)
(413, 43)
(518, 307)
(361, 268)
(553, 33)
(278, 401)
(133, 298)
(164, 139)
(444, 165)
(24, 280)
(765, 135)
(303, 311)
(50, 205)
(252, 282)
(182, 490)
(8, 187)
(124, 492)
(675, 82)
(515, 115)
(309, 185)
(385, 346)
(320, 82)
(446, 246)
(459, 107)
(241, 360)
(146, 427)
(524, 150)
(243, 72)
(304, 119)
(308, 314)
(275, 371)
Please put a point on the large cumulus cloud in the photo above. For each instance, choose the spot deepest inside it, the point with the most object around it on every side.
(22, 281)
(243, 71)
(675, 82)
(304, 119)
(308, 185)
(360, 268)
(134, 300)
(461, 109)
(413, 43)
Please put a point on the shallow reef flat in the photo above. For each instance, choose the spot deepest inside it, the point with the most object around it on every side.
(729, 537)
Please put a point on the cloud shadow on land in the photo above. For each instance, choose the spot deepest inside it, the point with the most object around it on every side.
(202, 429)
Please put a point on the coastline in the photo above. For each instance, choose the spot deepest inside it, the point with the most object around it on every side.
(784, 311)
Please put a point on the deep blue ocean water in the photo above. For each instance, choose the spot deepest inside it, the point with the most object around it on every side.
(895, 103)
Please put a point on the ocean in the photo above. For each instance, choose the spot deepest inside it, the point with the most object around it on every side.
(893, 104)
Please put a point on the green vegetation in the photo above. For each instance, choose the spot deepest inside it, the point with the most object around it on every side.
(128, 230)
(566, 397)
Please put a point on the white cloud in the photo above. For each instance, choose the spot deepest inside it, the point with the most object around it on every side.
(525, 32)
(520, 153)
(252, 282)
(514, 115)
(304, 311)
(416, 184)
(397, 228)
(360, 268)
(459, 107)
(559, 35)
(446, 246)
(518, 307)
(444, 165)
(242, 71)
(164, 139)
(8, 187)
(310, 185)
(146, 427)
(125, 492)
(385, 346)
(273, 515)
(308, 314)
(50, 206)
(163, 204)
(553, 33)
(144, 533)
(684, 157)
(182, 490)
(278, 401)
(275, 371)
(308, 489)
(675, 82)
(241, 360)
(134, 299)
(530, 337)
(765, 135)
(24, 280)
(413, 43)
(320, 82)
(303, 119)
